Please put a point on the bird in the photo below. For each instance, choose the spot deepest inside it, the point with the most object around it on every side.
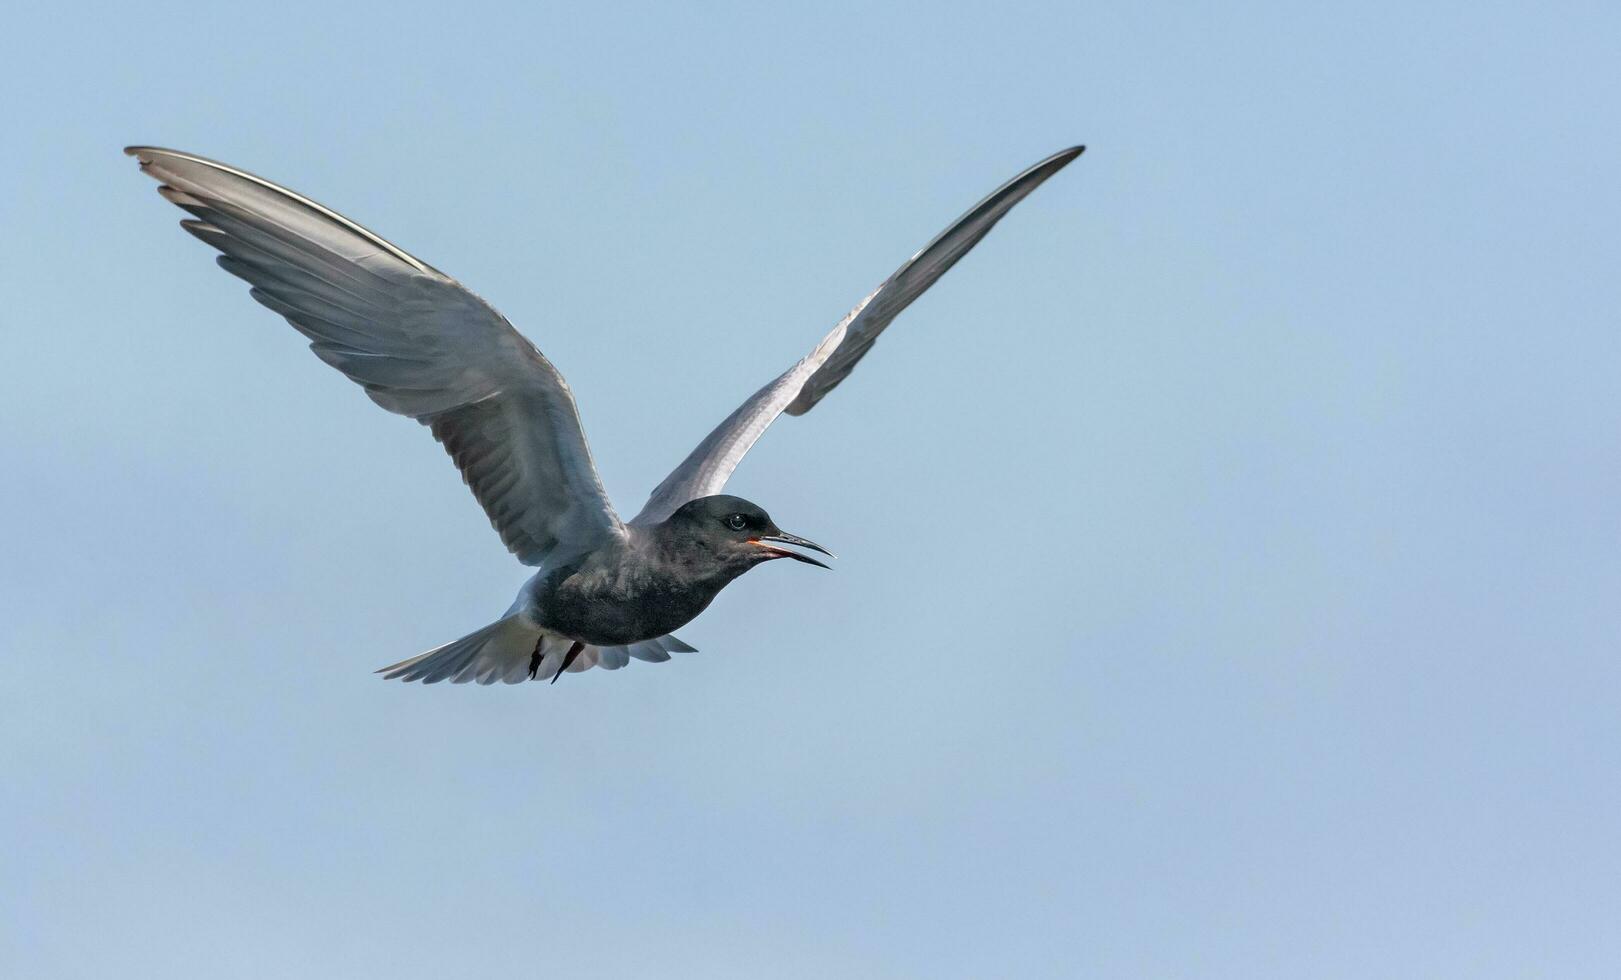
(604, 591)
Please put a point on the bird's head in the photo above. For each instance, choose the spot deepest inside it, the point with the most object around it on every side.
(738, 532)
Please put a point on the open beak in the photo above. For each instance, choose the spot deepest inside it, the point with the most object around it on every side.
(782, 537)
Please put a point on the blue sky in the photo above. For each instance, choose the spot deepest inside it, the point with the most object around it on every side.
(1228, 546)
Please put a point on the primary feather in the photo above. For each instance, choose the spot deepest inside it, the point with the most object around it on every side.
(420, 344)
(797, 390)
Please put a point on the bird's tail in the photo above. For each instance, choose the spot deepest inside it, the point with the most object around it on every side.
(514, 650)
(499, 652)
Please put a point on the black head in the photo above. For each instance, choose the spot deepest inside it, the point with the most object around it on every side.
(738, 531)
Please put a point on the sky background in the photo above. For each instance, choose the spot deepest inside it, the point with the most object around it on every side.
(1229, 581)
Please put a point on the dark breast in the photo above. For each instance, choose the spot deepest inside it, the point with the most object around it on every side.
(622, 602)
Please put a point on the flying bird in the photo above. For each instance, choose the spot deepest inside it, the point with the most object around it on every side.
(604, 591)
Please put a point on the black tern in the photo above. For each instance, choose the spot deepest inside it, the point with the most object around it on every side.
(422, 345)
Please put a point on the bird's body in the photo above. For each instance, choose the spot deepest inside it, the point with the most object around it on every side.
(636, 587)
(604, 591)
(625, 592)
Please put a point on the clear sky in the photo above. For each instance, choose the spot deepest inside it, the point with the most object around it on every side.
(1229, 581)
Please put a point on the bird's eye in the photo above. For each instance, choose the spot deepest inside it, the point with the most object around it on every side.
(737, 522)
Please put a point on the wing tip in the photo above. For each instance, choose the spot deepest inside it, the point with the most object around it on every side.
(1063, 158)
(144, 153)
(148, 155)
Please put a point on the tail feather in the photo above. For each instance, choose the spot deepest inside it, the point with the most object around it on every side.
(506, 651)
(651, 651)
(485, 653)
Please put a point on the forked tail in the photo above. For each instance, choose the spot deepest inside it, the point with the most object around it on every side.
(513, 650)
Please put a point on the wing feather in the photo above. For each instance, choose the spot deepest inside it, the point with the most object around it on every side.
(797, 390)
(416, 340)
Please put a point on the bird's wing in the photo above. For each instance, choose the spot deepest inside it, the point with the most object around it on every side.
(418, 341)
(797, 390)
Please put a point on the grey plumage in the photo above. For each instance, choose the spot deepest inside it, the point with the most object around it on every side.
(798, 389)
(417, 341)
(422, 345)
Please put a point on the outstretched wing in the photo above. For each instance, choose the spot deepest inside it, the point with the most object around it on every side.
(798, 389)
(418, 341)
